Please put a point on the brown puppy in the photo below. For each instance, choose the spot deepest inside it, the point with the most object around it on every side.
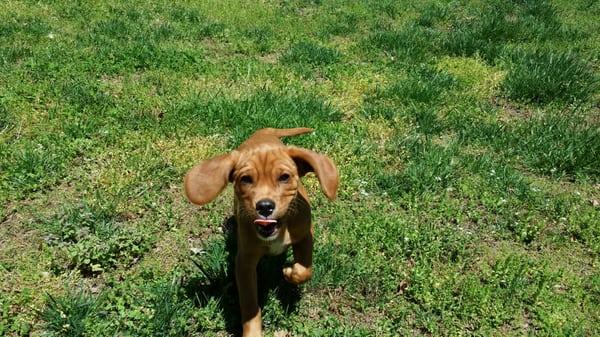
(271, 207)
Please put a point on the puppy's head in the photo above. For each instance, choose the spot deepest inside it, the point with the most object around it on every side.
(265, 180)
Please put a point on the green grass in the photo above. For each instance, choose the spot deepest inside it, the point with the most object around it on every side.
(310, 53)
(545, 76)
(466, 135)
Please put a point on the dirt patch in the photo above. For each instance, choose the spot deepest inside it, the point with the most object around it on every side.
(337, 302)
(271, 58)
(510, 110)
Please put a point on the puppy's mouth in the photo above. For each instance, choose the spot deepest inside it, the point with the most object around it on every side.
(267, 228)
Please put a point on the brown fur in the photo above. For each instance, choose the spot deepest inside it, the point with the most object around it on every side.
(257, 169)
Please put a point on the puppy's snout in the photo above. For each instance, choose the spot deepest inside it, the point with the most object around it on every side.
(265, 207)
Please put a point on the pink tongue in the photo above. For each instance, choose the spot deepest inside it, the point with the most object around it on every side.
(265, 222)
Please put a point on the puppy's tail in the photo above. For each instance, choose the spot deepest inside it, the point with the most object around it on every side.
(283, 132)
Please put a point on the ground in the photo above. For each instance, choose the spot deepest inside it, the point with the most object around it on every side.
(467, 135)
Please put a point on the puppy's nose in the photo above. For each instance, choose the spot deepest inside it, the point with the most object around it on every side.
(265, 207)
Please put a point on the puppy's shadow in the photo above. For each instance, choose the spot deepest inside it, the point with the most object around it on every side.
(215, 280)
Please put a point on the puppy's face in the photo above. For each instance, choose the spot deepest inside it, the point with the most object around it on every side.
(266, 180)
(266, 183)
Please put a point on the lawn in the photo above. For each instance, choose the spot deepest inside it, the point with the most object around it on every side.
(466, 133)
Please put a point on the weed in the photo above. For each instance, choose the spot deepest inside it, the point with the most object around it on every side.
(213, 265)
(94, 254)
(92, 241)
(168, 318)
(66, 316)
(10, 324)
(584, 225)
(32, 165)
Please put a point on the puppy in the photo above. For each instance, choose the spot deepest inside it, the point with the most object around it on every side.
(271, 207)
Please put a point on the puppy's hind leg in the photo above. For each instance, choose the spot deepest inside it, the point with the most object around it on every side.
(301, 270)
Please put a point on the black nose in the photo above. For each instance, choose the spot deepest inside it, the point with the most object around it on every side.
(265, 207)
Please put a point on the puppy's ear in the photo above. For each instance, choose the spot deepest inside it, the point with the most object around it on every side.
(323, 167)
(206, 180)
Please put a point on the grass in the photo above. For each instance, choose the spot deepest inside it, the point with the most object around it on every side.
(310, 53)
(466, 135)
(545, 76)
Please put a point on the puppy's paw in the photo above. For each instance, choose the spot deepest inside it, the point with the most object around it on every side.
(297, 274)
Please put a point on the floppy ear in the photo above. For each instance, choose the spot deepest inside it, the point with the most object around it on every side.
(323, 167)
(206, 180)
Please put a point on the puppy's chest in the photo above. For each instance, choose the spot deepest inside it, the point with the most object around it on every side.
(279, 245)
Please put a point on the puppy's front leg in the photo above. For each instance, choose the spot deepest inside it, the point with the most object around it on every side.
(245, 275)
(301, 270)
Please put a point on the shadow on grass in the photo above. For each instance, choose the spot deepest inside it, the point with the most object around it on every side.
(215, 281)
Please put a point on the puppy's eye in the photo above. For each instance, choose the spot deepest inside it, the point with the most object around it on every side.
(246, 180)
(284, 178)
